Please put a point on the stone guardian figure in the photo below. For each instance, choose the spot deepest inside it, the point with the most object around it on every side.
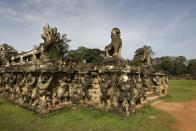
(114, 48)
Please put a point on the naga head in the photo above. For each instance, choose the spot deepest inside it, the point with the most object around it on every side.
(50, 37)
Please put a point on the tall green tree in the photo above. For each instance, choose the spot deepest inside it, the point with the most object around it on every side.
(6, 53)
(180, 65)
(164, 64)
(191, 68)
(60, 50)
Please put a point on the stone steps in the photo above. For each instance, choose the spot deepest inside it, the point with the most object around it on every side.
(150, 93)
(156, 102)
(151, 98)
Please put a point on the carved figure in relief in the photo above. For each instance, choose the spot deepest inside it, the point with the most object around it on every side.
(44, 81)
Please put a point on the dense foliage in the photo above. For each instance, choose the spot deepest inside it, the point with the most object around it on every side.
(60, 50)
(179, 65)
(191, 67)
(82, 54)
(86, 54)
(7, 52)
(175, 65)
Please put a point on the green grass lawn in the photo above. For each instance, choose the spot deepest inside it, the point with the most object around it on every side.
(14, 118)
(181, 90)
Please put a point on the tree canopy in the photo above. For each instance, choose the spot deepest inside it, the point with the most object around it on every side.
(175, 65)
(86, 54)
(60, 50)
(171, 65)
(6, 52)
(191, 67)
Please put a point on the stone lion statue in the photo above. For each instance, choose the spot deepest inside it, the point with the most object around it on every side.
(114, 48)
(50, 37)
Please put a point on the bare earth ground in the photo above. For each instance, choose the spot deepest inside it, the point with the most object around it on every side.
(184, 112)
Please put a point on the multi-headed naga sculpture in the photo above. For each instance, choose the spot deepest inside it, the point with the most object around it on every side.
(50, 37)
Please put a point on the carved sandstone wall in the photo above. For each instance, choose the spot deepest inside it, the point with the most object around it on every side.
(46, 88)
(32, 80)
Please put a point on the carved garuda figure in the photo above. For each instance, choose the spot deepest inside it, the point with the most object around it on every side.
(50, 37)
(114, 48)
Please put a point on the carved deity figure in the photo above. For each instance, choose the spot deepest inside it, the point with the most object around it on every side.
(60, 93)
(114, 48)
(31, 85)
(44, 81)
(19, 84)
(9, 81)
(137, 88)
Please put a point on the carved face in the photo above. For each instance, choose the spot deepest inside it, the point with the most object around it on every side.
(115, 32)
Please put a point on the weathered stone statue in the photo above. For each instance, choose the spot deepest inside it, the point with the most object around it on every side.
(50, 37)
(143, 56)
(114, 48)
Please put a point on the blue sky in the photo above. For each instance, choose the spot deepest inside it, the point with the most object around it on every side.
(168, 26)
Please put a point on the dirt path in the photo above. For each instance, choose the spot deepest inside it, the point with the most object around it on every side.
(184, 112)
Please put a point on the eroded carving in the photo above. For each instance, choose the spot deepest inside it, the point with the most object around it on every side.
(143, 56)
(50, 37)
